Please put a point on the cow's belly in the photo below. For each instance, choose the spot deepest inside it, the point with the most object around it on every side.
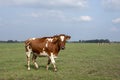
(44, 54)
(41, 54)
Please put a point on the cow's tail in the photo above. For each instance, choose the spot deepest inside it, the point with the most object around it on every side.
(27, 43)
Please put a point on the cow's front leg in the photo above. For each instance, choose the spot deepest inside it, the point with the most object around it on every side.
(34, 61)
(47, 67)
(53, 61)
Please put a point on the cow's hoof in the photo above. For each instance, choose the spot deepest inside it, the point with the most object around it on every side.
(47, 67)
(36, 67)
(28, 69)
(55, 70)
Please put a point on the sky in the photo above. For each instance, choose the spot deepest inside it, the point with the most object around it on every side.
(81, 19)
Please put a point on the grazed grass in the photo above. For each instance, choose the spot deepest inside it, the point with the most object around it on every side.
(76, 62)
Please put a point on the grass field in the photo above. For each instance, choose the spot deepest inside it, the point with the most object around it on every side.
(77, 62)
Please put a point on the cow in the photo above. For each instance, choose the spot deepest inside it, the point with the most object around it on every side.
(45, 46)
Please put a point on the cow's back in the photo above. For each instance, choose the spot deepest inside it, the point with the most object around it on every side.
(37, 45)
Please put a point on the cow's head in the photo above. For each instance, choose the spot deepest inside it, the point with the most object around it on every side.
(62, 38)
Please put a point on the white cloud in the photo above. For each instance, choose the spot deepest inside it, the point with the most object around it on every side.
(111, 4)
(57, 15)
(17, 2)
(83, 18)
(46, 3)
(47, 14)
(72, 3)
(117, 20)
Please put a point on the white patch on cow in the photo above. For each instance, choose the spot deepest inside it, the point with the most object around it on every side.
(46, 44)
(32, 38)
(43, 49)
(29, 51)
(52, 58)
(50, 39)
(43, 53)
(28, 48)
(62, 38)
(28, 54)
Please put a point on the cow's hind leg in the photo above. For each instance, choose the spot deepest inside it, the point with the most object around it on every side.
(28, 59)
(53, 61)
(47, 67)
(34, 61)
(28, 52)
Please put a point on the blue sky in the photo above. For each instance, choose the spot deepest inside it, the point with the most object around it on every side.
(81, 19)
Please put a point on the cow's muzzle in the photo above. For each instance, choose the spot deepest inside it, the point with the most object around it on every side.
(62, 48)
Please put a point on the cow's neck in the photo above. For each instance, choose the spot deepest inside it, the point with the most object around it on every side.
(58, 44)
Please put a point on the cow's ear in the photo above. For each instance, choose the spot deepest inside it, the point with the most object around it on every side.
(68, 37)
(55, 39)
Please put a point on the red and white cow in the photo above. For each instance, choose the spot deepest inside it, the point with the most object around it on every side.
(46, 46)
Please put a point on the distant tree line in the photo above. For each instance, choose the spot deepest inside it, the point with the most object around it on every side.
(95, 41)
(11, 41)
(79, 41)
(92, 41)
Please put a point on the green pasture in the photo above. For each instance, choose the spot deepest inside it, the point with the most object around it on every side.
(79, 61)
